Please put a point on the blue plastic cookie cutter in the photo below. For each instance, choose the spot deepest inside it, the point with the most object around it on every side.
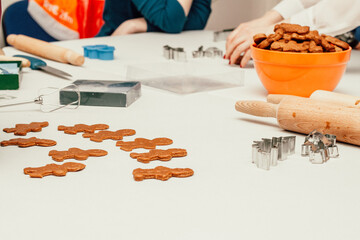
(102, 52)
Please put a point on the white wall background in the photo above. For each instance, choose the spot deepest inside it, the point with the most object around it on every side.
(229, 13)
(225, 13)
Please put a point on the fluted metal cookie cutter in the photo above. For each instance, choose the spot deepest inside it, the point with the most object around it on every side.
(268, 152)
(177, 54)
(319, 147)
(210, 52)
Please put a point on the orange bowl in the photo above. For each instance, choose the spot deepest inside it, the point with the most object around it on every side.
(299, 73)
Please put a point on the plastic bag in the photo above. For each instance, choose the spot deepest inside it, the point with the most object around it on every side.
(68, 19)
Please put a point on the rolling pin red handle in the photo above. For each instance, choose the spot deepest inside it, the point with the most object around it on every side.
(257, 108)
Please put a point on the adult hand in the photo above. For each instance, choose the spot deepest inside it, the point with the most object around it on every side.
(136, 25)
(239, 41)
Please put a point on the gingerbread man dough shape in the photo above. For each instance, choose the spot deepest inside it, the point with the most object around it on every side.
(292, 28)
(29, 142)
(159, 154)
(102, 135)
(23, 129)
(161, 173)
(82, 128)
(54, 169)
(76, 153)
(143, 143)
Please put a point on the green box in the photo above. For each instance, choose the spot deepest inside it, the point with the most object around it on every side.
(10, 75)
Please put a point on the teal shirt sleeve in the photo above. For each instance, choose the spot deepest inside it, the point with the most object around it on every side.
(169, 16)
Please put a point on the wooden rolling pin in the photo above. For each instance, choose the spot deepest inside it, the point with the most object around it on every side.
(45, 49)
(322, 95)
(24, 61)
(304, 115)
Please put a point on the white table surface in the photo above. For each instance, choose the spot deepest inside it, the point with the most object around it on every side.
(227, 198)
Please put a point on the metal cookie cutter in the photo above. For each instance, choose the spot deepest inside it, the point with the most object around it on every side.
(222, 35)
(177, 54)
(319, 147)
(210, 52)
(268, 152)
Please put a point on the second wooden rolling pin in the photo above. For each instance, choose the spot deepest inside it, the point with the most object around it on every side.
(24, 61)
(304, 115)
(322, 95)
(44, 49)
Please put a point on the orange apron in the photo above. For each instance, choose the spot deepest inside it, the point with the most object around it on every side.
(68, 19)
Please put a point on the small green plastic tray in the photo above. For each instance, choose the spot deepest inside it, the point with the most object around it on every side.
(10, 75)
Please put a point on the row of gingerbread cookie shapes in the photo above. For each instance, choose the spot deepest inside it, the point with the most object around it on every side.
(154, 154)
(50, 169)
(53, 169)
(160, 172)
(103, 134)
(23, 130)
(63, 169)
(76, 153)
(71, 153)
(127, 146)
(163, 155)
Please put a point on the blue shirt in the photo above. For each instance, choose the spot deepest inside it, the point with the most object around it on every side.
(160, 15)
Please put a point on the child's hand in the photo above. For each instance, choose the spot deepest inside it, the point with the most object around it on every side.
(136, 25)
